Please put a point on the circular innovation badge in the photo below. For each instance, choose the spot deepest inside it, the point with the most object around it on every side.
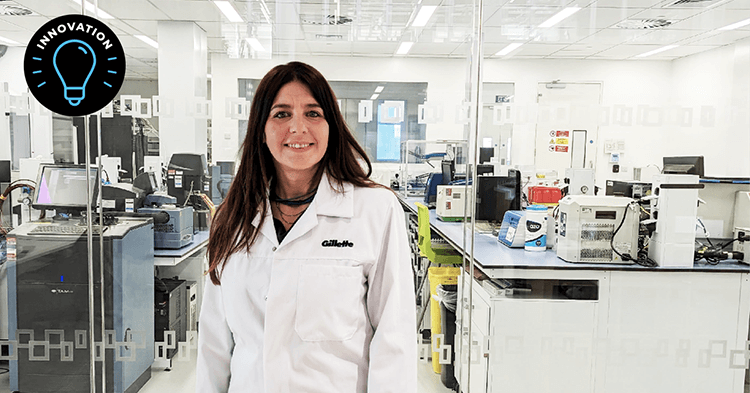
(74, 65)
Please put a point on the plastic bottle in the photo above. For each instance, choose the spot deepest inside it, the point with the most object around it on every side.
(536, 228)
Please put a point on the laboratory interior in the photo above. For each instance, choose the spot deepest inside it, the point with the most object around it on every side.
(574, 177)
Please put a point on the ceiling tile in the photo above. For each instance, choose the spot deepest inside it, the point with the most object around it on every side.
(581, 50)
(132, 9)
(681, 51)
(30, 23)
(627, 3)
(145, 27)
(530, 49)
(192, 11)
(132, 42)
(435, 49)
(6, 25)
(212, 29)
(627, 51)
(562, 35)
(663, 37)
(50, 8)
(738, 5)
(613, 36)
(717, 37)
(596, 17)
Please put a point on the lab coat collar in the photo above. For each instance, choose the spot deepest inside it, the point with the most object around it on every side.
(327, 202)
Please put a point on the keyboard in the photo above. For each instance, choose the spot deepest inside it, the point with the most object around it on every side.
(64, 230)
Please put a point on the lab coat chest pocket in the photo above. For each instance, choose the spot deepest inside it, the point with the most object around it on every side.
(329, 302)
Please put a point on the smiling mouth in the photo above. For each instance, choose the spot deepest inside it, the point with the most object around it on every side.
(298, 145)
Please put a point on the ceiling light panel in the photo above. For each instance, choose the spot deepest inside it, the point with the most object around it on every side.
(663, 37)
(559, 17)
(736, 25)
(424, 15)
(149, 41)
(229, 11)
(657, 50)
(508, 49)
(404, 48)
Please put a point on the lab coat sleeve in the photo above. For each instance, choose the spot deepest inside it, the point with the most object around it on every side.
(215, 343)
(391, 308)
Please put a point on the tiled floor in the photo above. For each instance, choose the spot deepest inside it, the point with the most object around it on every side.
(181, 379)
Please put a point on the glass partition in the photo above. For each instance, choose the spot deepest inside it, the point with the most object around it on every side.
(563, 254)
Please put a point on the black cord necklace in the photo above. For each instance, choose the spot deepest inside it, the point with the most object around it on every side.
(295, 201)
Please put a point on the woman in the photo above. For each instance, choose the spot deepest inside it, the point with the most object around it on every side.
(311, 287)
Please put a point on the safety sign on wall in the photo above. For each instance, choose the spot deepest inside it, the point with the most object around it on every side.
(559, 141)
(74, 65)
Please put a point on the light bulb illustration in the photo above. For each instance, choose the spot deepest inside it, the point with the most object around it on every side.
(74, 68)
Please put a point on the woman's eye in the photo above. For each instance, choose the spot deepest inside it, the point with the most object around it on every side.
(280, 115)
(314, 114)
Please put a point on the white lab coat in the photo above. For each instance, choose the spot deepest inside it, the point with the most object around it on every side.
(314, 313)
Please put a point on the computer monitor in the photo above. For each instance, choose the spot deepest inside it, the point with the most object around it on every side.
(690, 165)
(4, 172)
(63, 188)
(496, 195)
(449, 171)
(485, 153)
(187, 173)
(227, 167)
(485, 169)
(146, 181)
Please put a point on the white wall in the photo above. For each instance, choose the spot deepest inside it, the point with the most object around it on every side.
(718, 78)
(11, 72)
(445, 78)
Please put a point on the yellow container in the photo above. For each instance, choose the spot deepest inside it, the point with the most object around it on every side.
(437, 276)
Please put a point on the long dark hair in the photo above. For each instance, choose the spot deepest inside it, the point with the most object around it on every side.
(232, 229)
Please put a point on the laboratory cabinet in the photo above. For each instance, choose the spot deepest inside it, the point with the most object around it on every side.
(604, 331)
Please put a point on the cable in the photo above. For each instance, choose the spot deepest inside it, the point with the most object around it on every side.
(705, 231)
(13, 186)
(643, 258)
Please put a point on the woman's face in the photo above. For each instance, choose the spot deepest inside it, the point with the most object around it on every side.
(296, 131)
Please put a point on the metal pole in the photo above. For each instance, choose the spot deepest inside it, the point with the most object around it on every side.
(90, 243)
(476, 68)
(101, 233)
(101, 248)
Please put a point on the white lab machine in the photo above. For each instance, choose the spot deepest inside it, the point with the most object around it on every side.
(580, 181)
(588, 223)
(512, 232)
(674, 207)
(111, 168)
(743, 243)
(451, 202)
(742, 209)
(154, 164)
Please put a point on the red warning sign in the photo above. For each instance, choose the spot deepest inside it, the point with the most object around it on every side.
(563, 134)
(561, 149)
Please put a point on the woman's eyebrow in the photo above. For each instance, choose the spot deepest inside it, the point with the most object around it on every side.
(287, 106)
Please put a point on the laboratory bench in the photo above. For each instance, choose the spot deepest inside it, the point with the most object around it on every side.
(540, 324)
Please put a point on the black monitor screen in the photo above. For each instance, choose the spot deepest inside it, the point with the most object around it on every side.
(691, 165)
(449, 170)
(485, 153)
(63, 187)
(498, 194)
(485, 169)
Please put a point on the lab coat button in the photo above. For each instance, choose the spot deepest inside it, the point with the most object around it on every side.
(273, 249)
